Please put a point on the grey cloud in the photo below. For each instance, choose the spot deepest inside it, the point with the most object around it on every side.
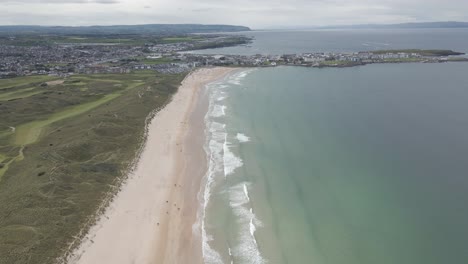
(202, 9)
(60, 1)
(253, 13)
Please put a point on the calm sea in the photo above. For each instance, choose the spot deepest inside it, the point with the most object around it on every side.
(359, 165)
(293, 42)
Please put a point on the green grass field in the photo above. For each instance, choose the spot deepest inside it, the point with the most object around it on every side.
(29, 133)
(19, 81)
(113, 40)
(19, 94)
(64, 150)
(404, 60)
(181, 39)
(435, 53)
(155, 61)
(334, 62)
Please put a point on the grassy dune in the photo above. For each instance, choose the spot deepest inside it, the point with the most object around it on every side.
(63, 151)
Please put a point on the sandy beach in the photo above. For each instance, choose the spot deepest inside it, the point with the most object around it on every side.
(151, 219)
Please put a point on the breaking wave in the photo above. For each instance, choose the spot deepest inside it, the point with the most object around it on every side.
(222, 161)
(237, 78)
(218, 111)
(247, 251)
(242, 138)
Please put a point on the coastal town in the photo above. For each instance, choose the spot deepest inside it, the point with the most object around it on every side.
(63, 59)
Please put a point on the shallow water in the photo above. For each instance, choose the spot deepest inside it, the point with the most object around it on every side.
(358, 165)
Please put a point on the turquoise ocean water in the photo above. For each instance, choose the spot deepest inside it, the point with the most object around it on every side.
(338, 166)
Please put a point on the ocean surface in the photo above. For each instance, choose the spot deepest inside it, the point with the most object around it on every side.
(358, 165)
(294, 42)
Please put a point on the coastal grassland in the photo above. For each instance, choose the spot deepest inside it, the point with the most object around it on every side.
(336, 63)
(433, 53)
(225, 42)
(18, 82)
(21, 93)
(162, 60)
(181, 39)
(65, 150)
(107, 39)
(112, 40)
(42, 40)
(404, 60)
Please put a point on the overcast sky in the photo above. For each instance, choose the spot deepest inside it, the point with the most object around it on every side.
(256, 14)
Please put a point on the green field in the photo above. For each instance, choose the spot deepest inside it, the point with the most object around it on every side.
(98, 40)
(403, 60)
(19, 81)
(113, 39)
(335, 62)
(19, 94)
(29, 133)
(65, 150)
(155, 61)
(181, 39)
(435, 53)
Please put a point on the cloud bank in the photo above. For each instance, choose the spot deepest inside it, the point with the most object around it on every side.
(254, 13)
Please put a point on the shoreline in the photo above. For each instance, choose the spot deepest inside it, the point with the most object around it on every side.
(151, 218)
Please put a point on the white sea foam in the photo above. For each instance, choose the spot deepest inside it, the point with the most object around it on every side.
(231, 162)
(237, 78)
(246, 192)
(223, 161)
(242, 138)
(218, 111)
(247, 250)
(214, 147)
(230, 255)
(215, 153)
(252, 227)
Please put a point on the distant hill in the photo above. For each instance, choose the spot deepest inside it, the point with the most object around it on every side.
(448, 24)
(160, 29)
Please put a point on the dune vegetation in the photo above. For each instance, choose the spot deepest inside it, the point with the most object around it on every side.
(64, 148)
